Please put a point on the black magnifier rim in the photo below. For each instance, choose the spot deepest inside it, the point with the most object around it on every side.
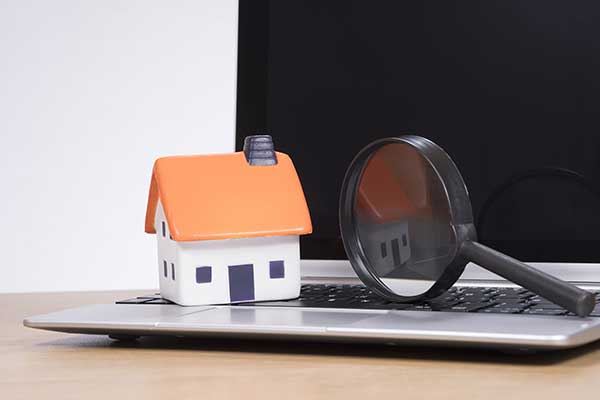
(461, 214)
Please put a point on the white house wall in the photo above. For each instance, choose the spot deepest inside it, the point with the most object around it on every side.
(167, 251)
(220, 254)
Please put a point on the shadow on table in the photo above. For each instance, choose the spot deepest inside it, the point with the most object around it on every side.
(461, 354)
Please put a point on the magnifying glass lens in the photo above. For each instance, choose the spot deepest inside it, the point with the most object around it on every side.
(403, 221)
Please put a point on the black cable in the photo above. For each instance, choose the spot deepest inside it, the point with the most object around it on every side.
(544, 172)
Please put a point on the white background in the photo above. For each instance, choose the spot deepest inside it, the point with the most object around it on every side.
(91, 92)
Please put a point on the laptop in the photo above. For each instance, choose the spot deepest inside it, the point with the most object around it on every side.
(515, 115)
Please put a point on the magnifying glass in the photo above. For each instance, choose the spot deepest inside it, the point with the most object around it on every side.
(407, 227)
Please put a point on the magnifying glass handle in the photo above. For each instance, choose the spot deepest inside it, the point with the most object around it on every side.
(566, 295)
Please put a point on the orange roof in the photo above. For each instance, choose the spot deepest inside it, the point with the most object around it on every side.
(221, 196)
(388, 193)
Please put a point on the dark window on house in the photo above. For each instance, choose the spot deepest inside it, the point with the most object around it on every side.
(276, 269)
(173, 270)
(203, 274)
(396, 252)
(383, 250)
(165, 268)
(164, 229)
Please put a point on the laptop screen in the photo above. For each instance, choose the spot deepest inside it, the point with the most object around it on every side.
(510, 90)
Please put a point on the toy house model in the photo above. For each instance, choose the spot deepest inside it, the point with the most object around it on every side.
(228, 225)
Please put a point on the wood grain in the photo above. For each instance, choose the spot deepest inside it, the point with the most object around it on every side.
(40, 364)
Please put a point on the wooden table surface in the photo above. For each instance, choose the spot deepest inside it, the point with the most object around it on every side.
(39, 364)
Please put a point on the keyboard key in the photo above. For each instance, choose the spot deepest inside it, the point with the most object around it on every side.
(418, 307)
(513, 297)
(439, 305)
(399, 306)
(544, 311)
(469, 307)
(546, 306)
(492, 310)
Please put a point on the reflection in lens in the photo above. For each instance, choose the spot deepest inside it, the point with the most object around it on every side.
(403, 220)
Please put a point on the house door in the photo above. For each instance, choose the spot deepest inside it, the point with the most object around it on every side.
(241, 282)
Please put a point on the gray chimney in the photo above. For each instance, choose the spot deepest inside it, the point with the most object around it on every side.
(259, 150)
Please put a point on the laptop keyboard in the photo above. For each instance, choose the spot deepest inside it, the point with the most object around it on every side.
(487, 300)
